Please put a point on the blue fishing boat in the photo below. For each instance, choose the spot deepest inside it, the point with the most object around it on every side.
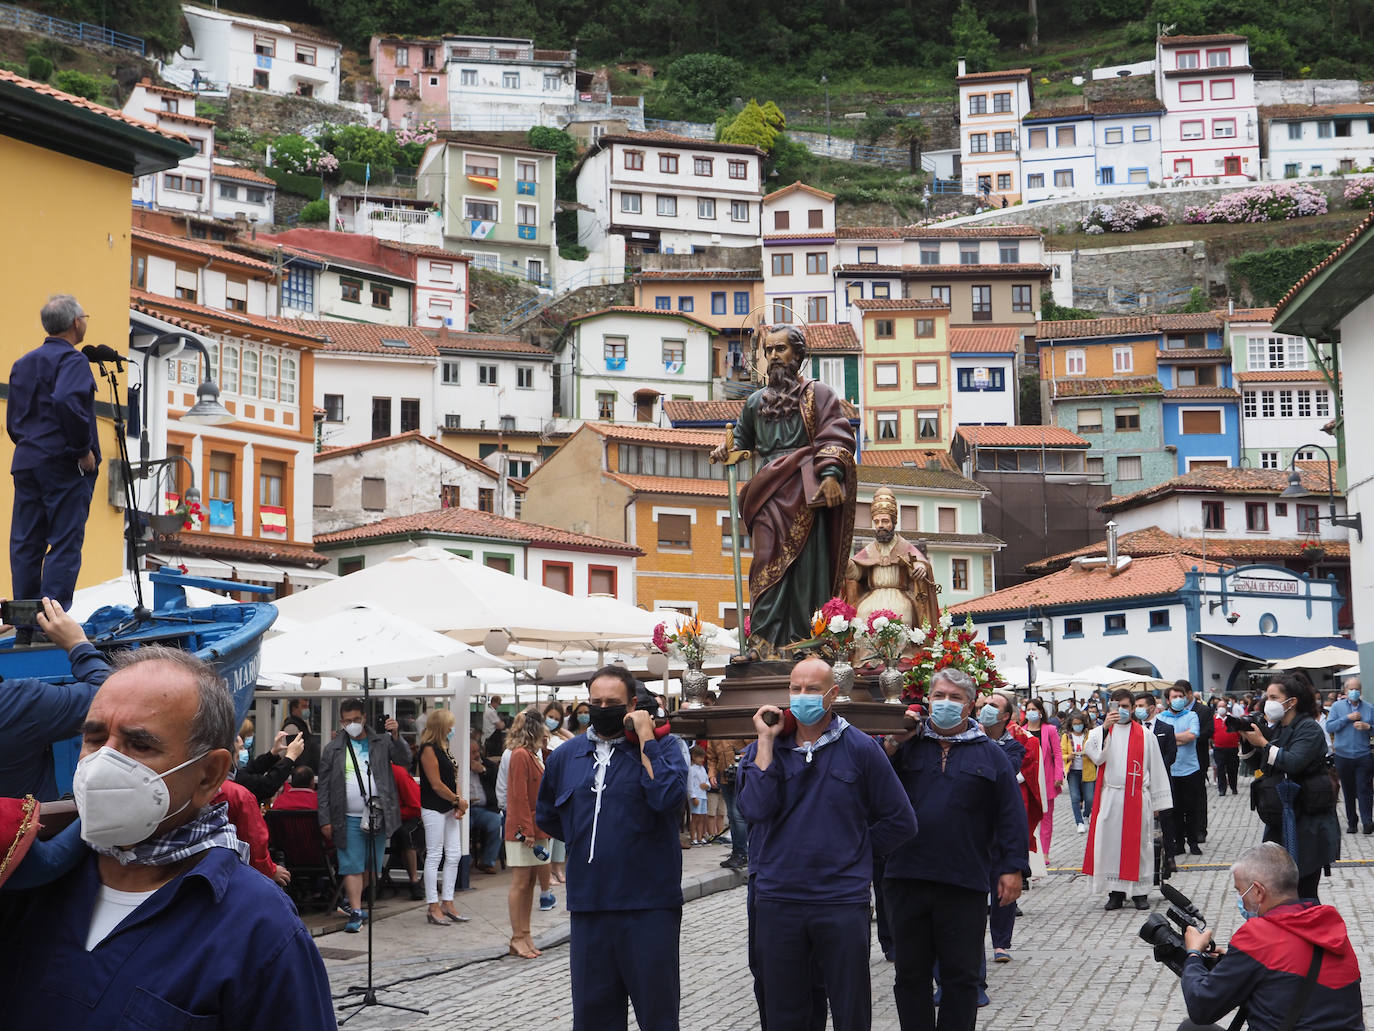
(227, 636)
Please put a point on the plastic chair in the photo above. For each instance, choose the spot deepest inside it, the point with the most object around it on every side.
(295, 833)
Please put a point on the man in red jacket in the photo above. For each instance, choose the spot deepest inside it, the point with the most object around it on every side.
(1272, 954)
(246, 816)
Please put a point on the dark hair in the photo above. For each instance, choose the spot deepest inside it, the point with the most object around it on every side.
(555, 706)
(619, 673)
(1182, 685)
(302, 776)
(1295, 687)
(697, 752)
(1039, 703)
(1146, 696)
(350, 705)
(1074, 714)
(1122, 694)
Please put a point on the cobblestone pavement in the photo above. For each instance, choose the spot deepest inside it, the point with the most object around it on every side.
(1069, 955)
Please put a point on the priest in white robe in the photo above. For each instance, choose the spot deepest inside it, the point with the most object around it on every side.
(1132, 785)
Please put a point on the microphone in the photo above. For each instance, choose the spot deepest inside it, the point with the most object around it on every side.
(105, 353)
(91, 353)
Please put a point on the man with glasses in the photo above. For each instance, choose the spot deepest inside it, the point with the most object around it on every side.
(51, 419)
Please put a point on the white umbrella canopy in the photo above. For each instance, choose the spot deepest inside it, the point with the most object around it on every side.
(1349, 671)
(120, 591)
(466, 600)
(368, 638)
(1105, 676)
(1329, 657)
(1016, 676)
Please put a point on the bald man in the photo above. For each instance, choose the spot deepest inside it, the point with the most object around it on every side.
(163, 923)
(821, 799)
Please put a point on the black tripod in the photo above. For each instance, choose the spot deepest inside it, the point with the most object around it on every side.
(368, 992)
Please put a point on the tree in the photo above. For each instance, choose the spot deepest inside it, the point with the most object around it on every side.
(706, 82)
(972, 39)
(913, 134)
(750, 128)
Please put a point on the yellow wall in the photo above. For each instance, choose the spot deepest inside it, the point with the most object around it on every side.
(67, 224)
(704, 575)
(905, 349)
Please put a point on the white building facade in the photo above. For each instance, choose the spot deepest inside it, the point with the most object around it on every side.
(493, 382)
(799, 255)
(187, 187)
(982, 368)
(1210, 127)
(1317, 139)
(243, 194)
(508, 84)
(991, 106)
(248, 53)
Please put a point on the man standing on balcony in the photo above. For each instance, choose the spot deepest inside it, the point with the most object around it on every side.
(51, 419)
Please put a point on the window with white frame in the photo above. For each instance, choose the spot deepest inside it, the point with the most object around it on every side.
(1075, 362)
(1269, 459)
(667, 205)
(1276, 352)
(1113, 135)
(887, 425)
(631, 203)
(451, 373)
(706, 207)
(739, 211)
(510, 80)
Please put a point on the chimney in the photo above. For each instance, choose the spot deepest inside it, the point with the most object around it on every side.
(1111, 546)
(1231, 306)
(962, 68)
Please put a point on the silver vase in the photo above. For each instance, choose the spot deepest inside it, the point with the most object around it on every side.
(694, 688)
(891, 680)
(844, 680)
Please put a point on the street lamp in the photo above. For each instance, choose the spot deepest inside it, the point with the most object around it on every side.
(207, 411)
(1295, 489)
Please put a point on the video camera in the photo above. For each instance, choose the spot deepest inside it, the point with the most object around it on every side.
(1168, 943)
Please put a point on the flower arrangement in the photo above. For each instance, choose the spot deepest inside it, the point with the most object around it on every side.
(833, 629)
(943, 646)
(887, 635)
(688, 640)
(1271, 202)
(191, 514)
(1310, 545)
(1123, 217)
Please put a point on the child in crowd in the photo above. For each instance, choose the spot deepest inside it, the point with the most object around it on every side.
(697, 784)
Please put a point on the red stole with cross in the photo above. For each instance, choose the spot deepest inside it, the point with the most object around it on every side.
(1131, 807)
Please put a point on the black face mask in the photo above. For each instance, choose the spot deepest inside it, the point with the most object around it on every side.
(609, 720)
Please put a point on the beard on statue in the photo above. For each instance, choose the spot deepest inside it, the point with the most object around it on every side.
(782, 396)
(885, 535)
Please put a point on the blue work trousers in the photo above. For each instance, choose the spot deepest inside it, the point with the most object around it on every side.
(47, 529)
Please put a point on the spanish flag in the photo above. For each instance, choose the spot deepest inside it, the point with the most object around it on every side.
(489, 181)
(273, 519)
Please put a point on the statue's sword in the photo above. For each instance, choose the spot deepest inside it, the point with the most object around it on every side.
(731, 463)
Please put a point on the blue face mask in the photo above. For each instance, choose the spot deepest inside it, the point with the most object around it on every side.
(988, 715)
(1142, 715)
(1246, 914)
(1178, 703)
(248, 743)
(808, 708)
(551, 722)
(946, 713)
(583, 718)
(1354, 695)
(1032, 716)
(1078, 728)
(243, 757)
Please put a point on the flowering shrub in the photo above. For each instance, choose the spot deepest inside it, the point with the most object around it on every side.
(1360, 192)
(688, 640)
(942, 647)
(411, 143)
(295, 153)
(326, 164)
(1123, 217)
(1271, 202)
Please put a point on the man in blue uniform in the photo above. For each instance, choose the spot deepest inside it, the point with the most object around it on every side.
(51, 419)
(615, 800)
(161, 924)
(821, 798)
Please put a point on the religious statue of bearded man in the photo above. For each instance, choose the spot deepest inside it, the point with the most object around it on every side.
(798, 507)
(891, 573)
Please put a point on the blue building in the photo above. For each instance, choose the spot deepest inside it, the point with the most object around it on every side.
(1201, 404)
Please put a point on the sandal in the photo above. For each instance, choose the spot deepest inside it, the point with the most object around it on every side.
(524, 948)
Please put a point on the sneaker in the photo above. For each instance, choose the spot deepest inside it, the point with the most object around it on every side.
(547, 901)
(1082, 828)
(355, 922)
(417, 891)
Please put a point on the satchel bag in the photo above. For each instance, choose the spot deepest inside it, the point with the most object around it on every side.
(374, 816)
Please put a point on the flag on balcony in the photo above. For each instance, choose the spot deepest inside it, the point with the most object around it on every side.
(489, 181)
(480, 230)
(221, 513)
(273, 519)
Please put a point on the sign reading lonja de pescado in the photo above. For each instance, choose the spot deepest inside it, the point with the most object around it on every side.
(1254, 585)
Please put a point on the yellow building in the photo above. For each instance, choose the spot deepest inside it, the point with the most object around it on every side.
(653, 488)
(906, 373)
(66, 164)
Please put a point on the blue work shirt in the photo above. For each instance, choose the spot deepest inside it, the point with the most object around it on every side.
(50, 412)
(634, 860)
(1346, 741)
(1184, 722)
(816, 819)
(218, 946)
(973, 822)
(35, 714)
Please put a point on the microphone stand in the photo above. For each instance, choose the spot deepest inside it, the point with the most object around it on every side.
(133, 523)
(368, 992)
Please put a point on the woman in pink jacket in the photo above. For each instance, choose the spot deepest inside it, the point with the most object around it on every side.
(1051, 765)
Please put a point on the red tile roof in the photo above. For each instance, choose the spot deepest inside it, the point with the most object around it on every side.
(982, 270)
(919, 476)
(914, 457)
(1126, 106)
(899, 304)
(1010, 73)
(1281, 376)
(1058, 114)
(656, 312)
(1064, 329)
(425, 251)
(795, 187)
(227, 171)
(284, 327)
(1230, 69)
(831, 337)
(1289, 112)
(1154, 541)
(1180, 41)
(416, 437)
(200, 247)
(471, 523)
(1247, 315)
(1126, 385)
(721, 411)
(814, 234)
(993, 340)
(687, 274)
(671, 484)
(1325, 263)
(137, 303)
(165, 91)
(230, 548)
(449, 341)
(870, 232)
(641, 434)
(367, 338)
(1021, 436)
(1224, 481)
(1145, 577)
(87, 105)
(1189, 320)
(1200, 393)
(177, 116)
(1193, 354)
(937, 231)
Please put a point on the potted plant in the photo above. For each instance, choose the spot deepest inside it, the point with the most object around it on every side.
(1312, 551)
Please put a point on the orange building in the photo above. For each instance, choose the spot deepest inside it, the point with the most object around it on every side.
(653, 488)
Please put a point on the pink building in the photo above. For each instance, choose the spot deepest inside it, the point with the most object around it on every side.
(413, 76)
(1210, 127)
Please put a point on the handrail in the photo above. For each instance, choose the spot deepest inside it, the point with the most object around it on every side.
(76, 32)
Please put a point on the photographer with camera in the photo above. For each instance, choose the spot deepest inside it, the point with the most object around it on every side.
(1293, 748)
(1290, 964)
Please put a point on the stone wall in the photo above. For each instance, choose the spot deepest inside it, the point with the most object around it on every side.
(1142, 278)
(707, 258)
(269, 114)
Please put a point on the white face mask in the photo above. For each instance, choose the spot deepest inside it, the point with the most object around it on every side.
(354, 730)
(121, 801)
(1273, 710)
